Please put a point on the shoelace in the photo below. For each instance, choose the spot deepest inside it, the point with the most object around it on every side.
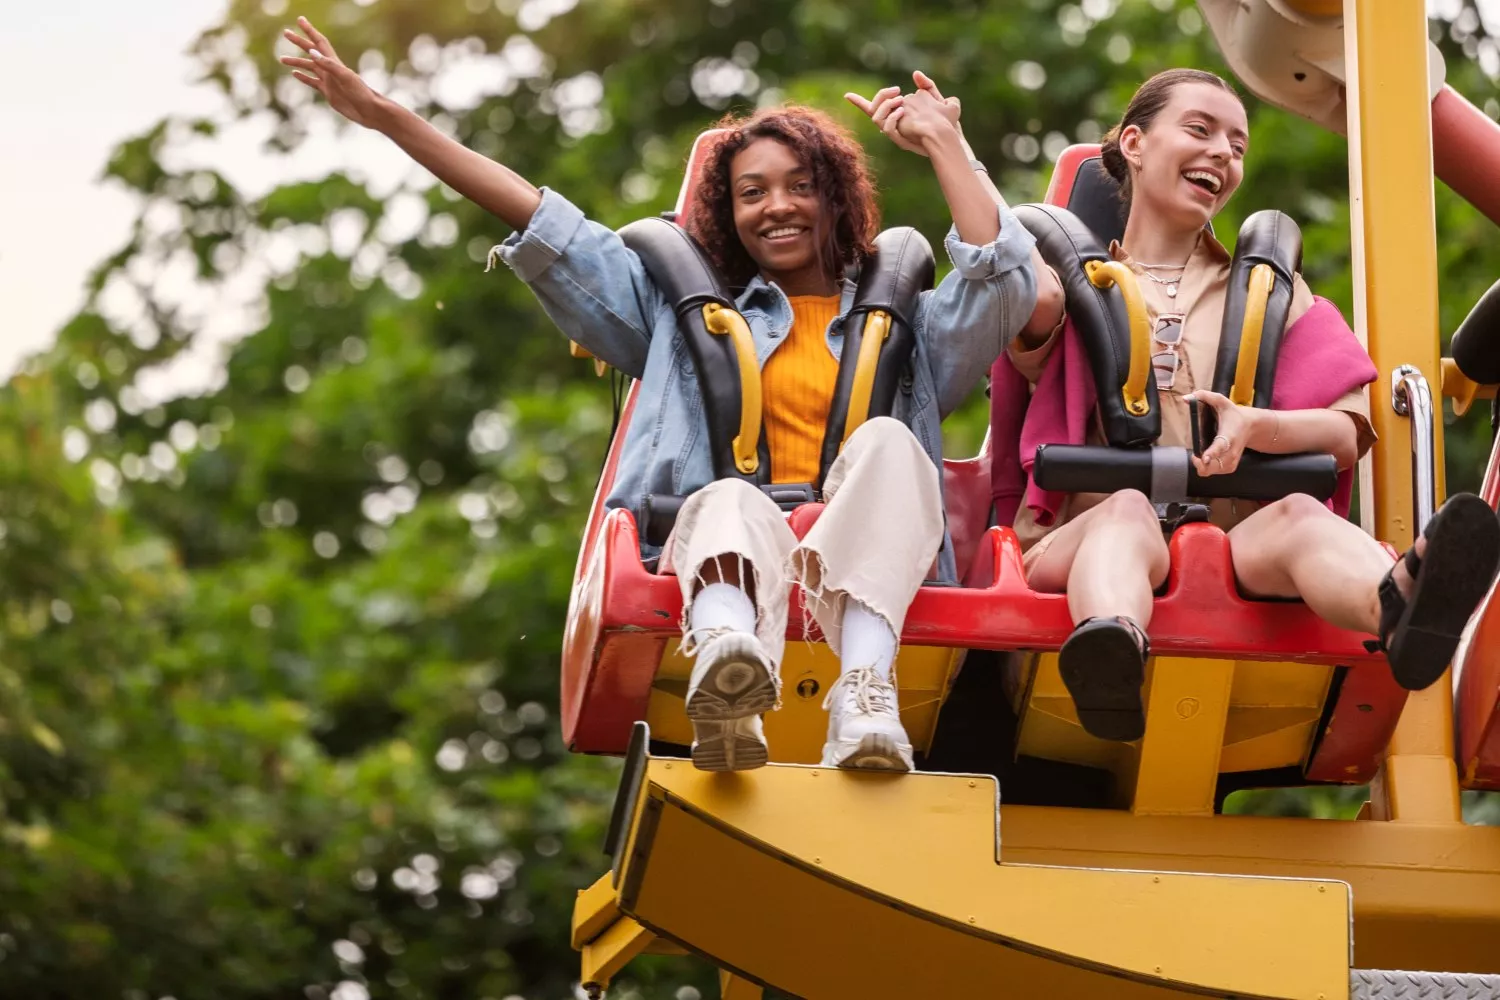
(694, 639)
(872, 696)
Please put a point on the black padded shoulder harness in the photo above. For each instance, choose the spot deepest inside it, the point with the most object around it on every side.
(891, 281)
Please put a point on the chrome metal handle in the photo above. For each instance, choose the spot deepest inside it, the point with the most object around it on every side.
(1411, 397)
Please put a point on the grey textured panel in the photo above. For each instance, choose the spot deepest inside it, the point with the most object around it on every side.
(1380, 984)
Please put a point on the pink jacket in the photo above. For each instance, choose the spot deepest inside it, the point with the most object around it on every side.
(1321, 359)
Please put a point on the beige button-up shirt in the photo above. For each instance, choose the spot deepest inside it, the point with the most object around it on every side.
(1200, 301)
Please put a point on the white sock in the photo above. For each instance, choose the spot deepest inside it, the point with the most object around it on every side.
(867, 640)
(722, 605)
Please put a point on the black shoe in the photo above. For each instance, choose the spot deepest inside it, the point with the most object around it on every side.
(1103, 663)
(1420, 633)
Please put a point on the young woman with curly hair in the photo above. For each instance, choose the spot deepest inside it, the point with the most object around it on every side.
(786, 208)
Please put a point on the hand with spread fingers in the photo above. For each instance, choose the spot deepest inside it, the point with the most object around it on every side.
(910, 119)
(1222, 456)
(323, 71)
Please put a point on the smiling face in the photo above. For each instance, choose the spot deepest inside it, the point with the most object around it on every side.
(779, 216)
(1190, 158)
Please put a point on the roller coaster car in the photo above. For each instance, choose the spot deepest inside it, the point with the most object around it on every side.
(1237, 686)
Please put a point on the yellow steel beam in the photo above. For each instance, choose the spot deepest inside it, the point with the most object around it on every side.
(1425, 896)
(1395, 281)
(732, 987)
(1187, 707)
(611, 951)
(825, 883)
(594, 910)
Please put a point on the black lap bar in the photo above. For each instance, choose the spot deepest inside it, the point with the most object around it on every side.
(1166, 475)
(661, 509)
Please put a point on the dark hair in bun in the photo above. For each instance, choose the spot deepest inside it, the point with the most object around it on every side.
(1142, 110)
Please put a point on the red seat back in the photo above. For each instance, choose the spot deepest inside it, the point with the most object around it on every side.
(1082, 186)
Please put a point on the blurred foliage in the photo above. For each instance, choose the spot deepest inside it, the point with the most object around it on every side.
(278, 698)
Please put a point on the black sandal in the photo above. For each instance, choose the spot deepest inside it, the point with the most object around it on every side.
(1103, 663)
(1419, 634)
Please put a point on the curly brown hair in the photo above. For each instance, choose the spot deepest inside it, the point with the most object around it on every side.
(839, 174)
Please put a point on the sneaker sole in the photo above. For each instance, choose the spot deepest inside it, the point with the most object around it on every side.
(873, 752)
(720, 746)
(732, 689)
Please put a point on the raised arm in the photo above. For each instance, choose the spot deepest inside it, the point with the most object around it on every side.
(592, 286)
(492, 186)
(886, 110)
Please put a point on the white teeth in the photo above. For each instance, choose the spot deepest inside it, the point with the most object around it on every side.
(1203, 175)
(785, 231)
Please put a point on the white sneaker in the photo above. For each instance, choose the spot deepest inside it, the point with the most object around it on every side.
(864, 727)
(732, 683)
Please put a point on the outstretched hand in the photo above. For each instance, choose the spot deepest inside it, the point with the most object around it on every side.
(913, 119)
(323, 71)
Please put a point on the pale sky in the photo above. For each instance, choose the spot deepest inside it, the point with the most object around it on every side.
(126, 67)
(77, 77)
(76, 81)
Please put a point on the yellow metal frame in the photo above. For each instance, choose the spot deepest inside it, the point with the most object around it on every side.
(1394, 246)
(728, 322)
(1107, 273)
(876, 329)
(925, 909)
(1262, 281)
(1461, 389)
(1203, 718)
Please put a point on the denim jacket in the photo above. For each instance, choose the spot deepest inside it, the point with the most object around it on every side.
(599, 295)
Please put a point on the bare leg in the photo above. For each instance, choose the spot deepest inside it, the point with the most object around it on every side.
(1108, 560)
(1296, 547)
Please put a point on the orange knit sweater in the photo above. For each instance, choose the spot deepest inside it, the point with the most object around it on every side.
(797, 386)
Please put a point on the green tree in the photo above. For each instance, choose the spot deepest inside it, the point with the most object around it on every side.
(278, 659)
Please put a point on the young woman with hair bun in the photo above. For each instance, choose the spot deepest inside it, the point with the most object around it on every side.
(1178, 154)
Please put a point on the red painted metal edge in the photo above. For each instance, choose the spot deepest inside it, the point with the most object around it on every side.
(1065, 172)
(1478, 688)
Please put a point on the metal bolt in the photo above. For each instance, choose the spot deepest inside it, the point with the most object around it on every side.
(1322, 888)
(817, 861)
(973, 783)
(1156, 878)
(1158, 968)
(815, 774)
(669, 767)
(972, 920)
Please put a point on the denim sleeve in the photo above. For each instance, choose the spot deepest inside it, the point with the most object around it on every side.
(965, 322)
(591, 285)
